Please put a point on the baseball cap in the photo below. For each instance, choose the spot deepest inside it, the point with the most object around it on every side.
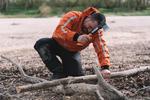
(101, 20)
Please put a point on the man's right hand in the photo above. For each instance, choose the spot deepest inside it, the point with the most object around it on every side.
(84, 38)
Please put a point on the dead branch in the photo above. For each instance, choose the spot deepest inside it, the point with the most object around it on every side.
(24, 76)
(130, 72)
(107, 91)
(80, 79)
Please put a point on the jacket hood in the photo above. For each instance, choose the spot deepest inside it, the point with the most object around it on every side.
(86, 13)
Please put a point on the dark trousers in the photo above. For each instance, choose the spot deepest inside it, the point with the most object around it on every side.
(49, 51)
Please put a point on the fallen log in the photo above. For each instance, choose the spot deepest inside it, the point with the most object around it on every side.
(80, 79)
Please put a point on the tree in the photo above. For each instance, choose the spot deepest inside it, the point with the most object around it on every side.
(4, 5)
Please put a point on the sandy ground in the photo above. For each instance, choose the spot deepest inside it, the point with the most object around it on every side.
(22, 33)
(128, 41)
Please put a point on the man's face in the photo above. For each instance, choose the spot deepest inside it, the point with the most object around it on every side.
(89, 25)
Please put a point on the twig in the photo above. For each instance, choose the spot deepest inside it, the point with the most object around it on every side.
(24, 76)
(19, 67)
(144, 88)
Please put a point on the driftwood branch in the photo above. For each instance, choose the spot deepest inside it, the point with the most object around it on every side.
(80, 79)
(24, 76)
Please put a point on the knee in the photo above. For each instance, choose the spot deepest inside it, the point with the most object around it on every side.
(39, 43)
(77, 57)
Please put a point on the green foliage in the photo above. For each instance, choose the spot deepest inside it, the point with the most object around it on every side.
(57, 7)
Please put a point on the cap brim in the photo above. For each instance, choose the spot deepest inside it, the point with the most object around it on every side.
(105, 27)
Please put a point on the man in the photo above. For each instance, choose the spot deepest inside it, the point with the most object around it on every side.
(72, 35)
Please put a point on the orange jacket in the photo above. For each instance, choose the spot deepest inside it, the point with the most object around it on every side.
(71, 24)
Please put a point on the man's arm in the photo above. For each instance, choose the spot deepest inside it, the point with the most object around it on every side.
(101, 50)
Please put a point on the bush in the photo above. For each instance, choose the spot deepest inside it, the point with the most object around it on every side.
(44, 10)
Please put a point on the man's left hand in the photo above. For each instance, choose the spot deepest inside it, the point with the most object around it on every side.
(106, 73)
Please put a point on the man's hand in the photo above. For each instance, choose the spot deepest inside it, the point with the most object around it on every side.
(84, 38)
(105, 73)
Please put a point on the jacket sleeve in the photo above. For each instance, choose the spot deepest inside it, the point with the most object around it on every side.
(101, 50)
(63, 30)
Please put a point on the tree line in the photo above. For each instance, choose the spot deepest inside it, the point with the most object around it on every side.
(27, 4)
